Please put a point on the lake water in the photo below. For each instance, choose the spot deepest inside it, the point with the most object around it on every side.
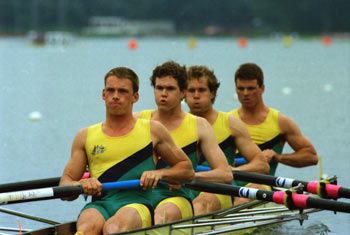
(306, 81)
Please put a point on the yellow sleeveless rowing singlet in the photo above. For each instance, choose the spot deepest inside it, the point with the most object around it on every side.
(111, 158)
(121, 158)
(185, 137)
(266, 135)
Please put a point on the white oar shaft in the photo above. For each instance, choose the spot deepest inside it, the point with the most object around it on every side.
(26, 195)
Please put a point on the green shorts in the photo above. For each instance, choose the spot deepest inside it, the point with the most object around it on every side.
(109, 204)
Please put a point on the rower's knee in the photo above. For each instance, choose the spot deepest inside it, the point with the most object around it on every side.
(166, 213)
(109, 228)
(205, 203)
(84, 224)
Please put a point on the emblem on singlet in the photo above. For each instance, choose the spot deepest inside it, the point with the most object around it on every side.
(98, 149)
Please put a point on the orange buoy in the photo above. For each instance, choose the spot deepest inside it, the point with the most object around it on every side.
(242, 42)
(133, 44)
(326, 41)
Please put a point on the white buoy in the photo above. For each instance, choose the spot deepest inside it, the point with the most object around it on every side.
(286, 90)
(35, 116)
(327, 87)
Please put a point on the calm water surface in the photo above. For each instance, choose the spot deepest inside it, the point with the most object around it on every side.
(65, 84)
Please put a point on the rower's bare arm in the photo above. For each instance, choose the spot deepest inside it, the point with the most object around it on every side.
(76, 166)
(220, 170)
(251, 152)
(181, 169)
(305, 153)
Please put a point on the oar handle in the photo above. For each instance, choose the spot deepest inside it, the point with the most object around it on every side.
(240, 161)
(121, 185)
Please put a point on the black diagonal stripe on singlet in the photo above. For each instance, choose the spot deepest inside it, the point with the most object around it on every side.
(271, 143)
(228, 142)
(119, 169)
(267, 145)
(188, 149)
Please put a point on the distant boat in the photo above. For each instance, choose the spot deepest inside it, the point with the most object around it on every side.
(57, 38)
(37, 38)
(53, 38)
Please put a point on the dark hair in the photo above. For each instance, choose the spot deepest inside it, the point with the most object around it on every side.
(172, 69)
(123, 72)
(250, 71)
(199, 71)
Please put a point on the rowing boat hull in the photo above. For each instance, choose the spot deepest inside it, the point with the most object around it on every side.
(236, 220)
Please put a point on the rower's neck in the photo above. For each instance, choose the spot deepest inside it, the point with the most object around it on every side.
(115, 126)
(210, 114)
(171, 119)
(253, 115)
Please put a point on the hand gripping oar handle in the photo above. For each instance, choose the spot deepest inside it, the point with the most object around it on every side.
(289, 199)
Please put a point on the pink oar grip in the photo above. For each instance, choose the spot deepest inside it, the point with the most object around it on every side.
(332, 190)
(278, 197)
(312, 187)
(300, 200)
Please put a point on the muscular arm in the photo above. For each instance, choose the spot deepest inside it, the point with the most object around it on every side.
(251, 152)
(76, 166)
(181, 169)
(221, 171)
(305, 153)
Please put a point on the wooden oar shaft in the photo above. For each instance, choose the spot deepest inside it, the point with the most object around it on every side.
(292, 200)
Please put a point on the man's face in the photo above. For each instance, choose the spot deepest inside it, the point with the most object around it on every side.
(118, 95)
(198, 96)
(249, 92)
(167, 93)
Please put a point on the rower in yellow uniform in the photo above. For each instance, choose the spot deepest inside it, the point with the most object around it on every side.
(122, 148)
(269, 128)
(193, 134)
(230, 134)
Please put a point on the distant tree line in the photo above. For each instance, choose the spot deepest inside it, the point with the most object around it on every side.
(189, 16)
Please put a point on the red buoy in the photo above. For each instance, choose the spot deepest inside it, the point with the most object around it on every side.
(133, 44)
(326, 41)
(242, 42)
